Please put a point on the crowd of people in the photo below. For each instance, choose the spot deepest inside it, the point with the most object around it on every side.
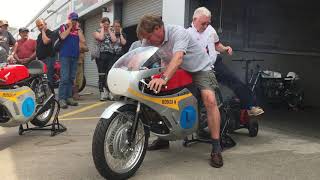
(195, 49)
(71, 50)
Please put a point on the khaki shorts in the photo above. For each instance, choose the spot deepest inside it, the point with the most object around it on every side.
(206, 80)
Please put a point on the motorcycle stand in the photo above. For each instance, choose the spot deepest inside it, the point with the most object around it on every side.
(226, 141)
(55, 127)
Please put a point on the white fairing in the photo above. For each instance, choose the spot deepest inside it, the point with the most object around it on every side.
(118, 81)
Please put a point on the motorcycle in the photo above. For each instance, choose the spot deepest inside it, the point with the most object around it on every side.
(25, 95)
(277, 89)
(121, 136)
(56, 77)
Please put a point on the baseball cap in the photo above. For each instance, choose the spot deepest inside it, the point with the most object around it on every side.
(73, 16)
(3, 22)
(23, 29)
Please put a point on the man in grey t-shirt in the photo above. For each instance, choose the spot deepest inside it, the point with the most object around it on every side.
(179, 50)
(6, 38)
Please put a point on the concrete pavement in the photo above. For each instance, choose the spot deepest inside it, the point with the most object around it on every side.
(287, 147)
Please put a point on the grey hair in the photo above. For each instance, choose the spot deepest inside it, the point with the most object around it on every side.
(201, 11)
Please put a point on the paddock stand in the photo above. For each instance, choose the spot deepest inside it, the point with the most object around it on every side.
(55, 127)
(204, 137)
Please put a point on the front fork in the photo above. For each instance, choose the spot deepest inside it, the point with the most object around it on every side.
(132, 133)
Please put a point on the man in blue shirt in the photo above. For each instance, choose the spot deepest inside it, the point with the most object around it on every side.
(69, 54)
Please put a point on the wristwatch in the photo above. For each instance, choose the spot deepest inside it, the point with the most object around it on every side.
(165, 78)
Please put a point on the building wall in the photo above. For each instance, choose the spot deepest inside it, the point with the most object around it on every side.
(281, 32)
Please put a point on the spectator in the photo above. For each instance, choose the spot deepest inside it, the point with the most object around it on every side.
(45, 50)
(105, 38)
(6, 38)
(79, 75)
(121, 39)
(25, 50)
(208, 39)
(69, 54)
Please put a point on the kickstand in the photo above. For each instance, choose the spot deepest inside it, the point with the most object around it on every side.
(55, 127)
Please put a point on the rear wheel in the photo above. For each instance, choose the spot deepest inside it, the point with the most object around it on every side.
(42, 92)
(113, 157)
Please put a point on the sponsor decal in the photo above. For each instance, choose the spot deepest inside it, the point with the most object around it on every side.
(28, 107)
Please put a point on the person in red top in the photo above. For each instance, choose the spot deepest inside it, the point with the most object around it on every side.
(25, 50)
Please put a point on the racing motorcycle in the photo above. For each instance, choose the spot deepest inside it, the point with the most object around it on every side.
(25, 95)
(121, 136)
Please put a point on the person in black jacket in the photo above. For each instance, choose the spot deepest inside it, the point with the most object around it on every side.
(44, 49)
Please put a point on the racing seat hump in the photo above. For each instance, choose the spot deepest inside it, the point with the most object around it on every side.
(180, 79)
(37, 67)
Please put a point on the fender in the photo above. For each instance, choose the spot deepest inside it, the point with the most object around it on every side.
(107, 113)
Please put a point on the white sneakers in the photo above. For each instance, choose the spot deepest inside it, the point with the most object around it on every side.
(255, 111)
(105, 95)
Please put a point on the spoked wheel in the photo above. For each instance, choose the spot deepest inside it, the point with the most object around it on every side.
(42, 92)
(113, 157)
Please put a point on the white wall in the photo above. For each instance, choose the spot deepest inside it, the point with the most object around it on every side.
(173, 12)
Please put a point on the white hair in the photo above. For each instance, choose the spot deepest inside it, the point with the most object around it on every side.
(201, 11)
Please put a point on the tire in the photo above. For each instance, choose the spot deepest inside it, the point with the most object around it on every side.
(42, 119)
(253, 128)
(102, 158)
(83, 85)
(295, 99)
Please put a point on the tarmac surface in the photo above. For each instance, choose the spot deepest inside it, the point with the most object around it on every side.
(287, 147)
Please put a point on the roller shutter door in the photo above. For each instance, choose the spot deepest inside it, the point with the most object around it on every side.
(90, 68)
(133, 10)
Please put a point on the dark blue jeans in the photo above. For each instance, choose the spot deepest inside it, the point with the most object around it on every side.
(229, 79)
(68, 74)
(49, 61)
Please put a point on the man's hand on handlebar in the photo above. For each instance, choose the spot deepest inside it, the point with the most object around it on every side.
(156, 84)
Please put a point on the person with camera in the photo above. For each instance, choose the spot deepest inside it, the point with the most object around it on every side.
(69, 54)
(105, 38)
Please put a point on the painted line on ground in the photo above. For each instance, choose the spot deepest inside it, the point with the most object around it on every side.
(78, 118)
(81, 110)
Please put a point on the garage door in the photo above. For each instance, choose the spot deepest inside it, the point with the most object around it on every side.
(90, 68)
(133, 10)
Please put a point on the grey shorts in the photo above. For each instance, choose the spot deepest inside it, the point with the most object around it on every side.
(205, 80)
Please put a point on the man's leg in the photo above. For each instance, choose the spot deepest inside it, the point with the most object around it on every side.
(228, 78)
(73, 70)
(64, 81)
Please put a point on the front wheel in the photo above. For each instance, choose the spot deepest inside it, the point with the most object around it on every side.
(112, 155)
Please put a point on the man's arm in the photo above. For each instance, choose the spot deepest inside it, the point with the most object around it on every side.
(172, 67)
(123, 40)
(66, 31)
(45, 39)
(221, 48)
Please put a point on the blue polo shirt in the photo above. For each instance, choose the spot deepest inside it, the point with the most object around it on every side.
(70, 45)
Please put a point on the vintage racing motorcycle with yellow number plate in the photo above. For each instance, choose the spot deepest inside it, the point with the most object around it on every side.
(25, 95)
(121, 136)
